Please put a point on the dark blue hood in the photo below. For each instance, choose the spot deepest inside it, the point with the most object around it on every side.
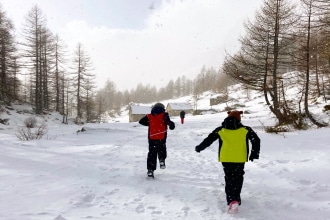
(231, 123)
(157, 110)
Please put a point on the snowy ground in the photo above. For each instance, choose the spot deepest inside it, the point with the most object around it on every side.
(101, 173)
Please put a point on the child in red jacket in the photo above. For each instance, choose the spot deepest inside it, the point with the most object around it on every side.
(157, 121)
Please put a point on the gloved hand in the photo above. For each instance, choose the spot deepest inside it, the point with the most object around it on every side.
(253, 156)
(197, 149)
(172, 126)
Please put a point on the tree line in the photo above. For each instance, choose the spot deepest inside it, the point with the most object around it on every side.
(286, 44)
(36, 70)
(110, 101)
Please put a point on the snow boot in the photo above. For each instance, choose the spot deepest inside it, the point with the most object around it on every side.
(150, 173)
(162, 164)
(233, 207)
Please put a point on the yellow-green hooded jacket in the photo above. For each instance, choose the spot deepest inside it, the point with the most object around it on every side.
(233, 142)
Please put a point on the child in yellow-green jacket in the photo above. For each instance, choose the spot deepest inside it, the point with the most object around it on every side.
(234, 151)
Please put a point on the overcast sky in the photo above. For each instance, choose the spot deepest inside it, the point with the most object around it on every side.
(147, 41)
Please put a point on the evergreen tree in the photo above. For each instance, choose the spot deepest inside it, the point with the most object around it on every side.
(9, 82)
(265, 50)
(309, 21)
(83, 80)
(36, 37)
(59, 75)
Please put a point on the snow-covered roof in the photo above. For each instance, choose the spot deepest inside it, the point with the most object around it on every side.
(180, 106)
(140, 109)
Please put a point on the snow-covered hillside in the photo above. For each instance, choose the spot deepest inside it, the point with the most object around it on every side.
(101, 173)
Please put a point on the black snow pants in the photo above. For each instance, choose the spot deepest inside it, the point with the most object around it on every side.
(234, 173)
(156, 148)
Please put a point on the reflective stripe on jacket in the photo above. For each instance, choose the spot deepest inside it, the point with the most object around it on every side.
(157, 126)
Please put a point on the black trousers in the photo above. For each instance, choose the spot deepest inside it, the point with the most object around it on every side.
(234, 173)
(156, 148)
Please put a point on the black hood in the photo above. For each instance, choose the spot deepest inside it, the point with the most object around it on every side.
(231, 123)
(157, 110)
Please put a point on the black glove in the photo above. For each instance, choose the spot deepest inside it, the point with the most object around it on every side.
(172, 126)
(253, 157)
(197, 149)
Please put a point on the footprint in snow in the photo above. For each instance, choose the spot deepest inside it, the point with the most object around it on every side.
(59, 218)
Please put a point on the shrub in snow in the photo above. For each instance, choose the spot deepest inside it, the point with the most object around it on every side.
(277, 129)
(2, 109)
(28, 133)
(4, 121)
(30, 122)
(326, 108)
(79, 121)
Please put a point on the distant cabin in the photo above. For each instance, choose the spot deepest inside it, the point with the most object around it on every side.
(174, 109)
(136, 112)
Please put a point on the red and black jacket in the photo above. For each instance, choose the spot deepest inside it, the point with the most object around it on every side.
(157, 120)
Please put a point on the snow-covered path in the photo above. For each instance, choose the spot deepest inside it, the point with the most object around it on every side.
(101, 174)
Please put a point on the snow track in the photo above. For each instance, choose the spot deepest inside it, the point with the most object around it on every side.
(101, 174)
